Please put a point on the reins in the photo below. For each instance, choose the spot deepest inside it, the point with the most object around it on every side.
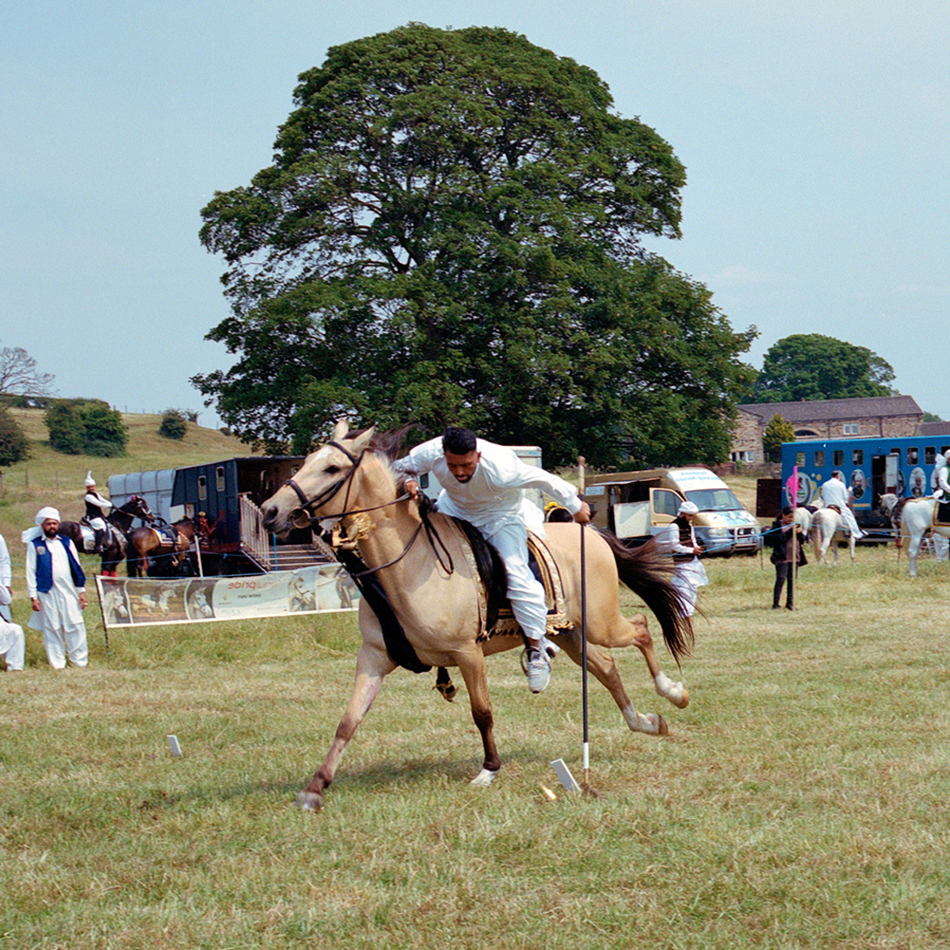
(307, 506)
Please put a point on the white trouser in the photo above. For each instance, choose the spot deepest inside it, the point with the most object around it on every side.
(12, 644)
(69, 640)
(848, 516)
(525, 591)
(689, 576)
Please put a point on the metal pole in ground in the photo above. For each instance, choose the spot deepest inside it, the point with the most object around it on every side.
(584, 657)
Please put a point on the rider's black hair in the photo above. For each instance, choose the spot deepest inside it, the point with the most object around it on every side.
(458, 441)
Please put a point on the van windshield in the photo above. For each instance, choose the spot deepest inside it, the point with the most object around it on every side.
(714, 499)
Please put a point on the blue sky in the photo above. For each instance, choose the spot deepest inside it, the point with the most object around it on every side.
(816, 138)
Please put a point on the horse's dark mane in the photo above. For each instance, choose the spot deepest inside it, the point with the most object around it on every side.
(390, 444)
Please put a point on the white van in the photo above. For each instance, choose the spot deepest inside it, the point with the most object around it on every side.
(638, 505)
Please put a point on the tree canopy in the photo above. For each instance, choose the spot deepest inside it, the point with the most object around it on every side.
(778, 430)
(451, 233)
(811, 366)
(14, 445)
(86, 427)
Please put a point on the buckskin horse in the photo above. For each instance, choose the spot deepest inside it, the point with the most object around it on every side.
(119, 521)
(433, 590)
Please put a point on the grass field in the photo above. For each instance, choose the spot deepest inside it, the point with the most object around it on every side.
(797, 803)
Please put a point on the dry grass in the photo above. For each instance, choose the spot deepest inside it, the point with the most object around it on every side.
(798, 802)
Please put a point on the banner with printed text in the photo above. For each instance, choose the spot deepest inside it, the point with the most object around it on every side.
(132, 602)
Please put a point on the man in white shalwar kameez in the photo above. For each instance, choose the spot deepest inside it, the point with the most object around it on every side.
(56, 586)
(483, 484)
(835, 492)
(6, 578)
(689, 572)
(12, 641)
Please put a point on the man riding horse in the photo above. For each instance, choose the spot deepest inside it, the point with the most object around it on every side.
(483, 483)
(97, 510)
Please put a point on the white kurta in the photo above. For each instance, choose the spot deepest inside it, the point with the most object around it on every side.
(688, 576)
(835, 492)
(60, 616)
(6, 577)
(493, 501)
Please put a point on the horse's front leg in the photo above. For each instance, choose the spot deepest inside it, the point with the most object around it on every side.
(372, 664)
(472, 667)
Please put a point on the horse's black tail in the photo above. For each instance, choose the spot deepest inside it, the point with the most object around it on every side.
(649, 574)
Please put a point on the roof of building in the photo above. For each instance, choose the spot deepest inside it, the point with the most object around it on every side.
(834, 409)
(934, 428)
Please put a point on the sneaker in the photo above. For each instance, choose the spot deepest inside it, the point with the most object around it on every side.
(538, 670)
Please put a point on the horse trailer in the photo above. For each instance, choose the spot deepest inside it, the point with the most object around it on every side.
(871, 467)
(224, 499)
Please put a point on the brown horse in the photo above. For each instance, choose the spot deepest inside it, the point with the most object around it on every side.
(166, 546)
(120, 520)
(435, 593)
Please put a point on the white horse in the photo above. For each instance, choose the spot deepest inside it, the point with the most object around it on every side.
(828, 525)
(803, 517)
(917, 516)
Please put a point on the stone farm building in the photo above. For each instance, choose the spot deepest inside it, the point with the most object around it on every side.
(894, 416)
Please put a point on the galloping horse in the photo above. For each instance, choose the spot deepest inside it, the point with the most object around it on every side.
(828, 525)
(145, 542)
(120, 520)
(434, 590)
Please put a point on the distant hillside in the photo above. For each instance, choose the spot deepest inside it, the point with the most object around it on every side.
(51, 478)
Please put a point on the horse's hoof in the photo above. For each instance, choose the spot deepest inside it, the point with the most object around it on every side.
(484, 778)
(651, 724)
(676, 693)
(309, 801)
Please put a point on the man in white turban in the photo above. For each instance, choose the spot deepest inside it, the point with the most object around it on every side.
(97, 510)
(56, 586)
(689, 572)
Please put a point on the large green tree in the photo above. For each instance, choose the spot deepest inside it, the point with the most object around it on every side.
(450, 232)
(811, 366)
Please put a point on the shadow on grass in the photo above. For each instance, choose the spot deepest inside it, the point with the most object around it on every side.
(389, 775)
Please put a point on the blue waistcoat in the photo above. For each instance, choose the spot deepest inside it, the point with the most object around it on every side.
(44, 565)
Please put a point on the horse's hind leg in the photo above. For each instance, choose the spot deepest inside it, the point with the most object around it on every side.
(624, 632)
(604, 669)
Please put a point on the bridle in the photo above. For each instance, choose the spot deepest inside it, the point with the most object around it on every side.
(308, 504)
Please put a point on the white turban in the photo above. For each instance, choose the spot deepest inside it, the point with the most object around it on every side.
(688, 508)
(44, 514)
(90, 481)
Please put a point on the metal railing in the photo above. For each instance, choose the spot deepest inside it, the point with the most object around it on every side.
(254, 539)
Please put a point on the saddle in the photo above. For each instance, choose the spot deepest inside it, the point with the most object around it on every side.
(167, 535)
(942, 512)
(494, 607)
(109, 536)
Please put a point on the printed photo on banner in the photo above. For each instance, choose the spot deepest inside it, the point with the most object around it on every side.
(129, 602)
